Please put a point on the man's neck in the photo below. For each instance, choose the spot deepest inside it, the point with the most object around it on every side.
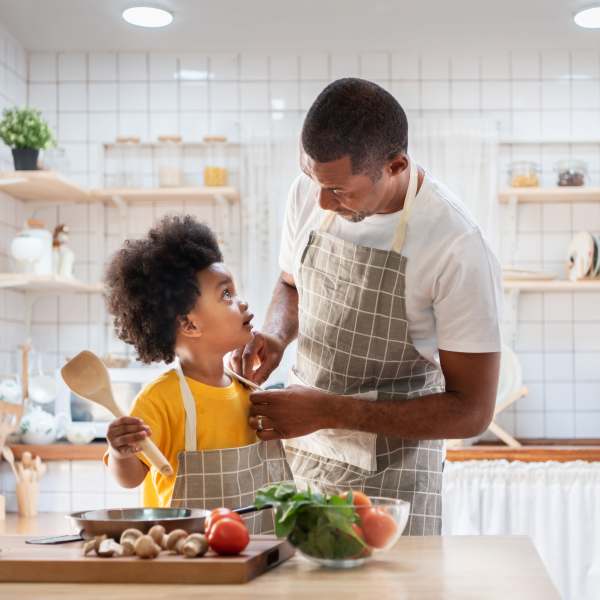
(397, 202)
(202, 365)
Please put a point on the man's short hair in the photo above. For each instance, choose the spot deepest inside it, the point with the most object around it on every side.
(357, 118)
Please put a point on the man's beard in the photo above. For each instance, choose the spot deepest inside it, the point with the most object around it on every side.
(355, 217)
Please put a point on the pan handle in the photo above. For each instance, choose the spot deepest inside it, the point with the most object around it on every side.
(250, 509)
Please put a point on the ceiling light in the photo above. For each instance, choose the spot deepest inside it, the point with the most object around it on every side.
(147, 16)
(588, 17)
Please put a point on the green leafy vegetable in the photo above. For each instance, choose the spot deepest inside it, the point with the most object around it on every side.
(318, 525)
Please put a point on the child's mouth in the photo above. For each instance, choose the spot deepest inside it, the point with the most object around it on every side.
(248, 322)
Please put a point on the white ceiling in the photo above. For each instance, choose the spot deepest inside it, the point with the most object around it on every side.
(299, 24)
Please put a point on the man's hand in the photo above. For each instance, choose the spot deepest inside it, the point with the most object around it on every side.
(124, 436)
(292, 412)
(263, 350)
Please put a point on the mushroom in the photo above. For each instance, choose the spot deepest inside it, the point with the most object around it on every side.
(128, 545)
(157, 533)
(89, 547)
(130, 534)
(175, 540)
(194, 545)
(145, 547)
(109, 548)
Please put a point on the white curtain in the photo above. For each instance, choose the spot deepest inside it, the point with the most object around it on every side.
(463, 155)
(556, 504)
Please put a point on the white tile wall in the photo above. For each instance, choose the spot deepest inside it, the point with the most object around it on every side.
(92, 97)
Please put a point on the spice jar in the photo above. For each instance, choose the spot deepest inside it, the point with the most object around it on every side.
(215, 171)
(524, 173)
(571, 173)
(169, 156)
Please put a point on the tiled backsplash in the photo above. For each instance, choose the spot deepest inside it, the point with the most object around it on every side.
(90, 98)
(70, 486)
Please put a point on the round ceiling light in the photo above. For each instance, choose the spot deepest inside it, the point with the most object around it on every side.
(147, 16)
(588, 17)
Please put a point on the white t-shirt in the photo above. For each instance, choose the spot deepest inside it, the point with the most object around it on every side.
(453, 279)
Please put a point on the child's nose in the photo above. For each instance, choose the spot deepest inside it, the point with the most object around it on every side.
(243, 305)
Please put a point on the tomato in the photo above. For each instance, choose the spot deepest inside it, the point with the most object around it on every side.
(359, 532)
(360, 500)
(378, 526)
(228, 536)
(217, 514)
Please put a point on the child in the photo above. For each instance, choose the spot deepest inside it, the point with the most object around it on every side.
(172, 296)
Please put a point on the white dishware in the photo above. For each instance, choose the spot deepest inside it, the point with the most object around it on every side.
(32, 249)
(38, 427)
(10, 391)
(80, 433)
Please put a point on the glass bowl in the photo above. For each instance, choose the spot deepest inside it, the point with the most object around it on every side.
(523, 173)
(571, 173)
(347, 536)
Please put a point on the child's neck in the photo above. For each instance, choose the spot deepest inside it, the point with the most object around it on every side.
(204, 367)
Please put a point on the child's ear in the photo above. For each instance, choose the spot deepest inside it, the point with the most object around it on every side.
(190, 327)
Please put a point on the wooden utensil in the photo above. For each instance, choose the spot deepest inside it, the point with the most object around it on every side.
(86, 375)
(9, 457)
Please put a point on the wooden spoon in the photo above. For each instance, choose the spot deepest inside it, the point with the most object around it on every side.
(9, 457)
(86, 375)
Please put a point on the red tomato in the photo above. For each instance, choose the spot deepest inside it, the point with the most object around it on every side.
(378, 526)
(359, 532)
(360, 500)
(228, 536)
(217, 514)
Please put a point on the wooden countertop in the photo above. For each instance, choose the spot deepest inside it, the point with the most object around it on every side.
(533, 450)
(417, 568)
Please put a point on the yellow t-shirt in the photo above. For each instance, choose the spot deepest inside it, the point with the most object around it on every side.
(221, 422)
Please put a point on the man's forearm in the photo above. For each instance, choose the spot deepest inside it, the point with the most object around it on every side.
(436, 416)
(282, 316)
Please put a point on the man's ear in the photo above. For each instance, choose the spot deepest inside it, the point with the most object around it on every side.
(189, 327)
(397, 164)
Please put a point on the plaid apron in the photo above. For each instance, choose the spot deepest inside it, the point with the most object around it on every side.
(228, 477)
(353, 340)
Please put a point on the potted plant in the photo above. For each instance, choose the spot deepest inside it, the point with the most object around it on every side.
(26, 133)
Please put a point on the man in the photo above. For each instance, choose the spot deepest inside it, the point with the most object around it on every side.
(393, 294)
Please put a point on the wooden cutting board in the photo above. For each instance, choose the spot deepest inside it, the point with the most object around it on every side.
(64, 563)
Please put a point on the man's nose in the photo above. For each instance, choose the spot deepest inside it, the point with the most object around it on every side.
(327, 200)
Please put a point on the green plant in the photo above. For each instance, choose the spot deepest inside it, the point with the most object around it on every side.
(319, 525)
(25, 128)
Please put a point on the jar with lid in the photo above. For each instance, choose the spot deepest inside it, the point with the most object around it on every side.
(571, 173)
(215, 171)
(129, 162)
(523, 173)
(169, 157)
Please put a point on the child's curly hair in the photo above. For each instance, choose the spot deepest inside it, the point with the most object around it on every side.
(151, 282)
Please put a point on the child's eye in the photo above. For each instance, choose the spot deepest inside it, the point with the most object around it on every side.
(227, 294)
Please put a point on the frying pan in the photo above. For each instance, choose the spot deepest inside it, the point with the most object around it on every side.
(114, 521)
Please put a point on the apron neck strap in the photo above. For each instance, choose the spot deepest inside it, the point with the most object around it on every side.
(411, 193)
(189, 406)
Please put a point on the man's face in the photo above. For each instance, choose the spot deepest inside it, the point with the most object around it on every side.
(352, 196)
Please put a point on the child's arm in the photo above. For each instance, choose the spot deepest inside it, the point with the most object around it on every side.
(123, 436)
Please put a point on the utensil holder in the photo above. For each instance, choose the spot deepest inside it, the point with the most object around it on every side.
(27, 498)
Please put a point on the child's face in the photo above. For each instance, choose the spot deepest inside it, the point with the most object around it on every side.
(222, 318)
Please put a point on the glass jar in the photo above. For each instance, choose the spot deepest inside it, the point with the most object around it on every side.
(571, 173)
(169, 156)
(215, 171)
(129, 162)
(523, 173)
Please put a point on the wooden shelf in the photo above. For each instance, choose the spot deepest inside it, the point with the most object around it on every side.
(510, 141)
(47, 284)
(42, 186)
(554, 285)
(189, 194)
(526, 453)
(64, 451)
(182, 144)
(550, 195)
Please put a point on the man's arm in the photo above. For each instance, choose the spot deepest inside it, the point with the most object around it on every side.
(465, 409)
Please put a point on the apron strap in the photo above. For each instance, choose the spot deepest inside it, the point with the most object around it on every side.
(189, 406)
(411, 193)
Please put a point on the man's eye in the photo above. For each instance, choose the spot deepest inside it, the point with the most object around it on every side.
(337, 192)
